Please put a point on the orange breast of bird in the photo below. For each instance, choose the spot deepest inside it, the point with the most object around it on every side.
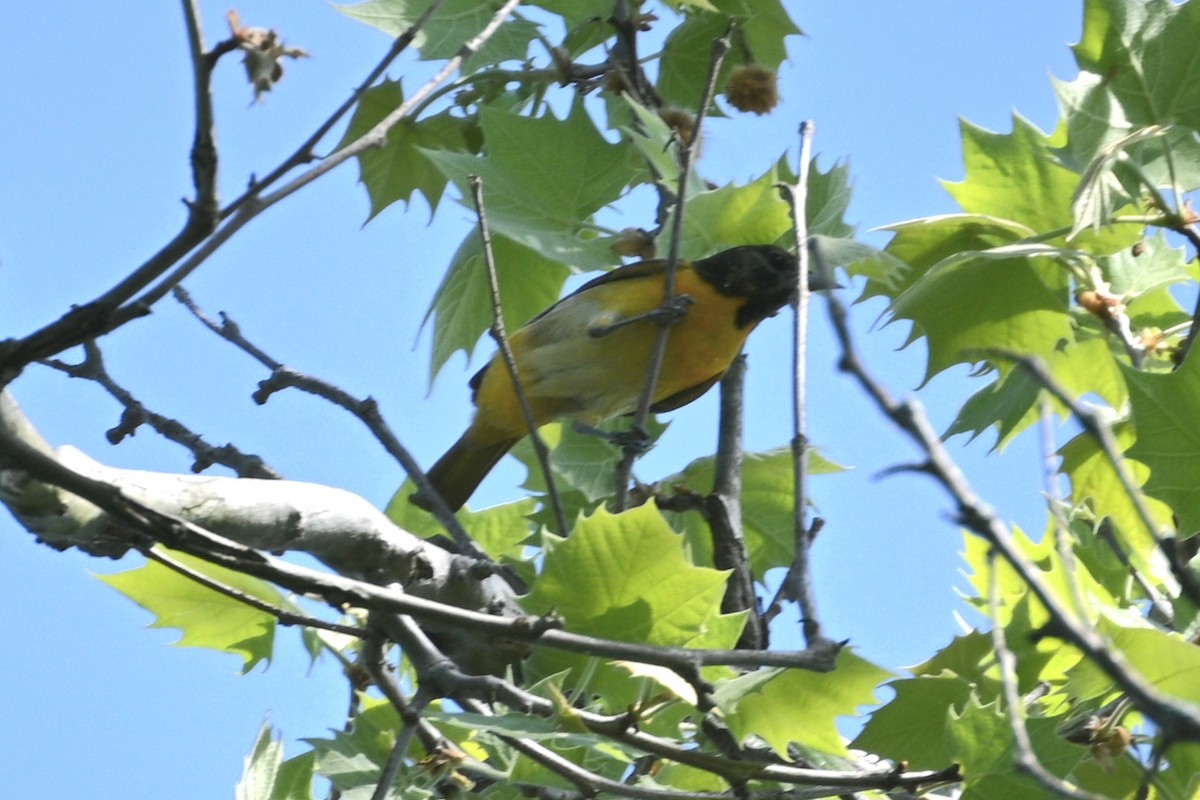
(566, 371)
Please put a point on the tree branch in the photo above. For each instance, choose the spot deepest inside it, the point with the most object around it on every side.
(797, 585)
(720, 47)
(510, 363)
(1178, 721)
(246, 465)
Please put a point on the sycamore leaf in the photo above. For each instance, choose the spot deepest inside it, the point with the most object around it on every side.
(767, 509)
(667, 679)
(1094, 483)
(399, 168)
(827, 199)
(500, 531)
(624, 576)
(964, 306)
(1010, 403)
(783, 706)
(1167, 661)
(266, 776)
(462, 306)
(526, 194)
(205, 617)
(1155, 264)
(893, 731)
(1016, 177)
(856, 258)
(1181, 778)
(922, 243)
(1104, 144)
(1164, 408)
(1146, 53)
(967, 656)
(456, 22)
(732, 215)
(352, 758)
(1011, 176)
(980, 739)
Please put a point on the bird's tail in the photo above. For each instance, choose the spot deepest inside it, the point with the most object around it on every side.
(459, 472)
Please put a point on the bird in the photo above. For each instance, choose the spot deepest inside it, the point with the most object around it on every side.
(585, 358)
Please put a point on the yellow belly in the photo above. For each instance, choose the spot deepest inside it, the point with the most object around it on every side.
(566, 372)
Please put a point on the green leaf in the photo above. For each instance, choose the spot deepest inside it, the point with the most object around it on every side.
(1146, 53)
(1010, 403)
(624, 576)
(1164, 408)
(783, 706)
(732, 215)
(399, 168)
(353, 758)
(980, 738)
(767, 508)
(963, 306)
(922, 243)
(205, 617)
(266, 776)
(1156, 264)
(1094, 483)
(1012, 177)
(967, 656)
(656, 143)
(1016, 177)
(456, 22)
(912, 726)
(462, 306)
(1167, 660)
(579, 461)
(1105, 146)
(827, 198)
(1181, 778)
(525, 195)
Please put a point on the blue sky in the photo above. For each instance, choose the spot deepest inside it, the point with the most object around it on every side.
(94, 141)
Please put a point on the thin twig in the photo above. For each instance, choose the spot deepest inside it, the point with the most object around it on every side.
(306, 151)
(510, 361)
(720, 47)
(409, 724)
(798, 582)
(1097, 427)
(90, 319)
(365, 409)
(103, 315)
(1162, 606)
(246, 465)
(375, 664)
(284, 617)
(1026, 760)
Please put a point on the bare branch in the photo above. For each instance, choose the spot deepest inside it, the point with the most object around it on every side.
(246, 465)
(723, 511)
(720, 47)
(797, 585)
(365, 409)
(306, 152)
(283, 617)
(1026, 760)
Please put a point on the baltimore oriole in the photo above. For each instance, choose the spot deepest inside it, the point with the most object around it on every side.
(575, 360)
